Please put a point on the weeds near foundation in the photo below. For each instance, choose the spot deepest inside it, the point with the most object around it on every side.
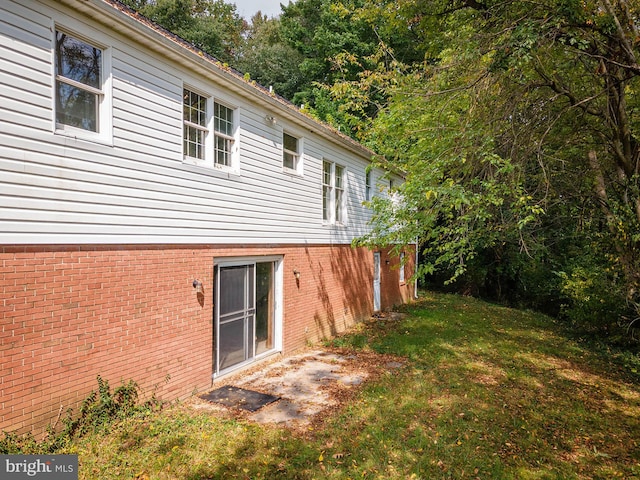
(98, 412)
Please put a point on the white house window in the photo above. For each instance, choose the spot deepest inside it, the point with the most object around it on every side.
(402, 262)
(333, 192)
(290, 152)
(339, 190)
(223, 131)
(79, 72)
(367, 185)
(195, 124)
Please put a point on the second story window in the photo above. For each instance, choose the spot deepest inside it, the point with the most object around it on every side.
(79, 94)
(195, 124)
(290, 152)
(339, 193)
(327, 190)
(367, 185)
(223, 130)
(333, 193)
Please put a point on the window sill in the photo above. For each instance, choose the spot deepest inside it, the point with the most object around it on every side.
(203, 169)
(291, 172)
(84, 136)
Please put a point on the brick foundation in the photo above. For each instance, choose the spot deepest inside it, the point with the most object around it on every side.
(70, 313)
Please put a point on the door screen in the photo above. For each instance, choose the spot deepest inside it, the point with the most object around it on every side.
(244, 310)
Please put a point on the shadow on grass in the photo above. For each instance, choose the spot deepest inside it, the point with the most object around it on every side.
(486, 392)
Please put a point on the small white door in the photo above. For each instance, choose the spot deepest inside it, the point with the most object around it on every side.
(376, 281)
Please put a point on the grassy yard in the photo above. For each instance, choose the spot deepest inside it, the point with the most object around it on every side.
(487, 392)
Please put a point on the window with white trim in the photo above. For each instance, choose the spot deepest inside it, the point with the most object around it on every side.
(367, 185)
(81, 101)
(327, 190)
(402, 262)
(333, 193)
(291, 152)
(224, 127)
(339, 191)
(196, 122)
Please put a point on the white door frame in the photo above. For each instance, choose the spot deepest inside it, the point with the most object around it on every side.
(277, 307)
(376, 281)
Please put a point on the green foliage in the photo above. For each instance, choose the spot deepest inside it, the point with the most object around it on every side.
(211, 25)
(98, 412)
(518, 133)
(484, 391)
(269, 60)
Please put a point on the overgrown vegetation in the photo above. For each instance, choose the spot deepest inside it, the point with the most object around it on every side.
(516, 125)
(98, 412)
(485, 392)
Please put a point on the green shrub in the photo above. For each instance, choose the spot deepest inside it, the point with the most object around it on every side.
(97, 413)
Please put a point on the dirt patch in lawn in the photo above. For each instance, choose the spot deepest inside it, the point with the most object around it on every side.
(309, 385)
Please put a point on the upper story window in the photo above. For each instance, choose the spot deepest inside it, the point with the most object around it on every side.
(367, 185)
(81, 101)
(195, 124)
(339, 190)
(224, 129)
(209, 132)
(291, 152)
(333, 193)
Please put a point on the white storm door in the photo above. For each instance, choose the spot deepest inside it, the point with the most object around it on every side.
(235, 314)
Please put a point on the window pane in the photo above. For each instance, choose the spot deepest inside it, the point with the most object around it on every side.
(290, 143)
(326, 203)
(289, 160)
(222, 153)
(195, 108)
(223, 119)
(339, 205)
(326, 173)
(194, 142)
(76, 107)
(195, 113)
(339, 176)
(78, 61)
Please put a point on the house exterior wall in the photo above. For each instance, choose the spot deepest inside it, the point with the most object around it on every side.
(135, 186)
(101, 238)
(125, 312)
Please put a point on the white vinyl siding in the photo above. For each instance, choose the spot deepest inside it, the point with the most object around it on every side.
(137, 188)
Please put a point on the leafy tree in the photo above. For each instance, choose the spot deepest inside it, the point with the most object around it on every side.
(211, 25)
(268, 59)
(518, 133)
(322, 32)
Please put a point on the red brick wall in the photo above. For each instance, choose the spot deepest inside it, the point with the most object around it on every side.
(71, 313)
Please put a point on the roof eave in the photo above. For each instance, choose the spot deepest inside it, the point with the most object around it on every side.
(127, 22)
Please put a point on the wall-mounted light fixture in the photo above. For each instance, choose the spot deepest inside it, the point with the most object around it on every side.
(197, 284)
(270, 119)
(296, 273)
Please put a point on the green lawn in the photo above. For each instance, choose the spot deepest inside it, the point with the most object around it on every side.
(487, 392)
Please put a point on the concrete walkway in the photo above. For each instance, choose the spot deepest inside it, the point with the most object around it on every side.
(309, 383)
